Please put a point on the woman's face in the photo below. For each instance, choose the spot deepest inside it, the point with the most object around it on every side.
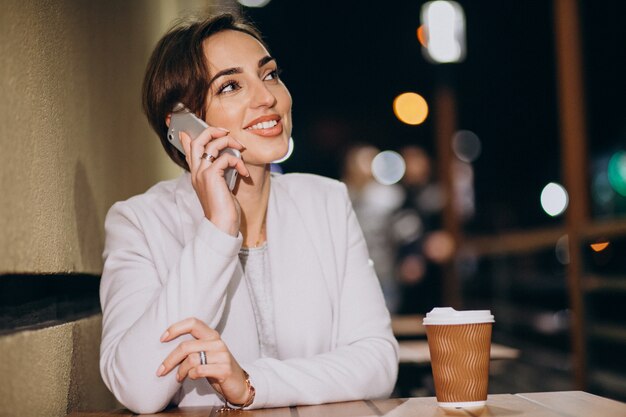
(247, 97)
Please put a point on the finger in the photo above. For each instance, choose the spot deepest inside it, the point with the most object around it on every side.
(185, 141)
(199, 144)
(189, 363)
(217, 145)
(218, 372)
(226, 161)
(215, 354)
(177, 357)
(214, 149)
(216, 357)
(192, 361)
(196, 146)
(181, 353)
(197, 328)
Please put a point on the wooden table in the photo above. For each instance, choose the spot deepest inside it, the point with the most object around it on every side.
(540, 404)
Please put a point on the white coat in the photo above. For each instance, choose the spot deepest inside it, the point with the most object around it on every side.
(164, 262)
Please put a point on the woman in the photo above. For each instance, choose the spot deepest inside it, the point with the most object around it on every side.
(200, 284)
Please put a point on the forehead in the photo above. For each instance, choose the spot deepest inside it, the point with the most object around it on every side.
(231, 48)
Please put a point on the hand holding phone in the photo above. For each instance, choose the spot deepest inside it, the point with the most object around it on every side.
(182, 119)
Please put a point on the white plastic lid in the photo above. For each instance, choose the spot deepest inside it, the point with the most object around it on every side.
(448, 315)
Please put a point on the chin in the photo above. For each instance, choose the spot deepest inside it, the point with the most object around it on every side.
(263, 159)
(278, 153)
(266, 154)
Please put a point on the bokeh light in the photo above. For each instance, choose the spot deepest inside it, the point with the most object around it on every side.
(410, 108)
(253, 3)
(601, 189)
(602, 251)
(554, 199)
(617, 172)
(439, 246)
(421, 36)
(444, 23)
(561, 250)
(466, 145)
(464, 188)
(288, 154)
(412, 269)
(407, 226)
(388, 167)
(599, 246)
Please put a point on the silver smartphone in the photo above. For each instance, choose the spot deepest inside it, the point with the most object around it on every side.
(184, 120)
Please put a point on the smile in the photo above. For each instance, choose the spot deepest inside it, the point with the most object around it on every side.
(267, 126)
(263, 125)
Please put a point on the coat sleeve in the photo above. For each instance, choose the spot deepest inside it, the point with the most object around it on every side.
(364, 362)
(140, 300)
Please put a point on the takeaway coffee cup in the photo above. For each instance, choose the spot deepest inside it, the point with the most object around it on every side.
(459, 344)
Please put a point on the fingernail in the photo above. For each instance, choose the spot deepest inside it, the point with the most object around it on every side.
(242, 145)
(224, 130)
(160, 370)
(164, 335)
(177, 378)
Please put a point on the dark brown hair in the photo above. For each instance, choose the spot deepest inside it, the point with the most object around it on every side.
(178, 72)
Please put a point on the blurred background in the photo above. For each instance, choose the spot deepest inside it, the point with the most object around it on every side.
(505, 185)
(483, 144)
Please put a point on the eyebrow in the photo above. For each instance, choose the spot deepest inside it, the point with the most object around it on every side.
(239, 70)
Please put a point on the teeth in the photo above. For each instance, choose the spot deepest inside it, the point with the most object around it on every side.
(263, 125)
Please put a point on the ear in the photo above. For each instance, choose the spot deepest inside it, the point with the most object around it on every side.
(168, 119)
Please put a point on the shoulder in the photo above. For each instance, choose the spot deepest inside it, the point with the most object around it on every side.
(158, 200)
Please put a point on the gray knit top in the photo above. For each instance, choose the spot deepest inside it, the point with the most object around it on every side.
(256, 267)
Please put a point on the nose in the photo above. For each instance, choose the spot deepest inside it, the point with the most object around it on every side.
(262, 96)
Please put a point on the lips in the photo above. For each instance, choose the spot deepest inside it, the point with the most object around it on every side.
(269, 125)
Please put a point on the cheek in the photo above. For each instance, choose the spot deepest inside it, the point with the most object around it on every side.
(283, 97)
(286, 106)
(223, 116)
(287, 99)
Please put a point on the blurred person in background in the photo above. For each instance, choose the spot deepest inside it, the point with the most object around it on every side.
(420, 244)
(374, 204)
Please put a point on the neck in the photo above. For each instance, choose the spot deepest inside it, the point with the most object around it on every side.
(253, 196)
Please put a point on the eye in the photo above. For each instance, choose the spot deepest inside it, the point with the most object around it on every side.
(272, 75)
(228, 87)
